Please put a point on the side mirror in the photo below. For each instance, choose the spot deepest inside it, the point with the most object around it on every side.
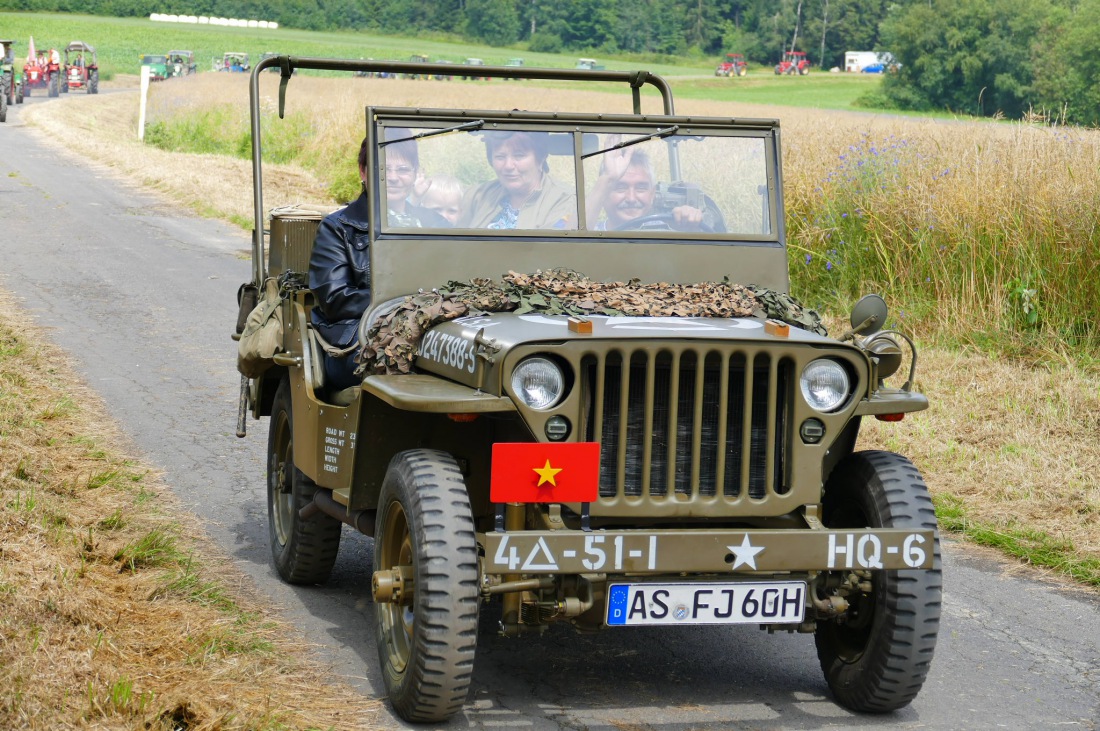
(868, 316)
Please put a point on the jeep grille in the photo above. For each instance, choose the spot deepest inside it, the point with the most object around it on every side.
(672, 428)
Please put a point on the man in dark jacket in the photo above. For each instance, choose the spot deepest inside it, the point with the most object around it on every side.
(339, 265)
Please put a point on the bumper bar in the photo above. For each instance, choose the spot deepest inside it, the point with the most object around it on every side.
(705, 551)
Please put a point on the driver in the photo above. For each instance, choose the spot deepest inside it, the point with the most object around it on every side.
(625, 191)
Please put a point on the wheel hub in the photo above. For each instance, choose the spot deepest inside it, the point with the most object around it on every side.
(393, 586)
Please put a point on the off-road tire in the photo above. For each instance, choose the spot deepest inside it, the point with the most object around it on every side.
(426, 645)
(27, 90)
(93, 82)
(742, 71)
(52, 89)
(877, 661)
(3, 107)
(303, 551)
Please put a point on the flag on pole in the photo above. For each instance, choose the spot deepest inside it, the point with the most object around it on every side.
(32, 57)
(545, 473)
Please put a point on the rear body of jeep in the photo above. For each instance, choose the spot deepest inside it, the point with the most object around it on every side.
(723, 495)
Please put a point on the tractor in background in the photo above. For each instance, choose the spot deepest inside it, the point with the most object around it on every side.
(232, 61)
(181, 63)
(11, 83)
(42, 71)
(81, 70)
(158, 66)
(734, 65)
(794, 62)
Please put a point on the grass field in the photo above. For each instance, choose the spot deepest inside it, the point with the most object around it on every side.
(120, 42)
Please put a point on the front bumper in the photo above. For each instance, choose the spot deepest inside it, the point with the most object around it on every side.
(705, 551)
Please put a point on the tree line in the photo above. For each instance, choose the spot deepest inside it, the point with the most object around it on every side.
(981, 57)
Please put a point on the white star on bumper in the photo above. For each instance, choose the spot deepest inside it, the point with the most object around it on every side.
(745, 553)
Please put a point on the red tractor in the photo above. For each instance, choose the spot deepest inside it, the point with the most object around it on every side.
(794, 62)
(42, 71)
(81, 68)
(734, 65)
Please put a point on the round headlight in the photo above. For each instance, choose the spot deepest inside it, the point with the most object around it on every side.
(538, 382)
(824, 384)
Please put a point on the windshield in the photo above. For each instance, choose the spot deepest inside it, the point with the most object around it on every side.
(662, 181)
(147, 60)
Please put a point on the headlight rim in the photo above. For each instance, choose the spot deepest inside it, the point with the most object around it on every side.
(519, 392)
(845, 394)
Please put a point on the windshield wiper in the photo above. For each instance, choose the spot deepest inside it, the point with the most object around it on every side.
(476, 124)
(658, 134)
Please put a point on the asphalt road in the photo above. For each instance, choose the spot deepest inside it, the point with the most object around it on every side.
(143, 298)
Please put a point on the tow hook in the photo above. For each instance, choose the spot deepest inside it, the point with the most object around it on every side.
(830, 606)
(392, 586)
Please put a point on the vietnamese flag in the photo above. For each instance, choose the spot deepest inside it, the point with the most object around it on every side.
(536, 472)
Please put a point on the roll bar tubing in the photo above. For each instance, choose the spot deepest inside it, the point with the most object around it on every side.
(287, 65)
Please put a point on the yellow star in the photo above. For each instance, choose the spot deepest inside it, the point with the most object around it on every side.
(546, 474)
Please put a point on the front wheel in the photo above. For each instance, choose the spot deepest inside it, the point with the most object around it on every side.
(3, 107)
(52, 91)
(303, 551)
(876, 656)
(93, 82)
(427, 635)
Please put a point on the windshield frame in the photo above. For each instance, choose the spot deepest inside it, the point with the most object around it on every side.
(584, 129)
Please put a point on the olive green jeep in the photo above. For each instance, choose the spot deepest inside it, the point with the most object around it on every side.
(554, 460)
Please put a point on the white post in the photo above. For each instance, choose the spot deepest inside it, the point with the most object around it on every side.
(141, 109)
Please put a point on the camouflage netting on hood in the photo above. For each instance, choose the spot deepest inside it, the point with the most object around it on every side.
(393, 338)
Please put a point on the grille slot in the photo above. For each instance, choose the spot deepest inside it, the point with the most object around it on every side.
(688, 423)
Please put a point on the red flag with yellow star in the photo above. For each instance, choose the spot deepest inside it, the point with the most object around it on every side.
(533, 472)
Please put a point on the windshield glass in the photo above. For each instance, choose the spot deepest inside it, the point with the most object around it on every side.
(659, 182)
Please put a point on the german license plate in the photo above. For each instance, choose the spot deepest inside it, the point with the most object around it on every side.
(763, 602)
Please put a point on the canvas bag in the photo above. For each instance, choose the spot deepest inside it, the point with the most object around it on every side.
(262, 336)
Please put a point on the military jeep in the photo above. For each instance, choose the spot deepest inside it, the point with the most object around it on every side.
(601, 470)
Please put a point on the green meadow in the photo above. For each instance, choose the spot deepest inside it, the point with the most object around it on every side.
(120, 42)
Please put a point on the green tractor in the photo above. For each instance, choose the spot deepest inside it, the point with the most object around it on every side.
(158, 66)
(11, 83)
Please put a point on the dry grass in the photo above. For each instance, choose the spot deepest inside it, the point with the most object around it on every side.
(115, 612)
(1011, 454)
(1010, 450)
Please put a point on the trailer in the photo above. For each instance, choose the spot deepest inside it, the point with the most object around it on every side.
(868, 61)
